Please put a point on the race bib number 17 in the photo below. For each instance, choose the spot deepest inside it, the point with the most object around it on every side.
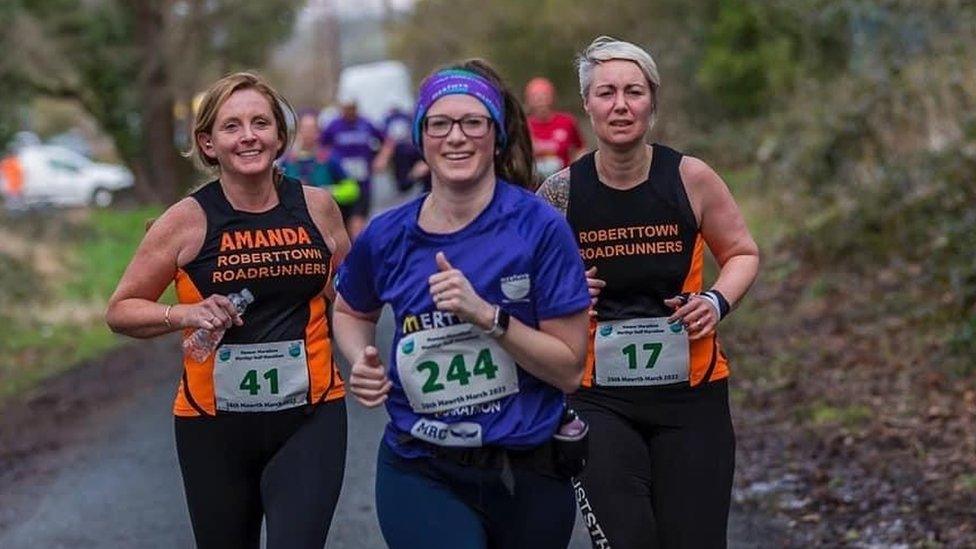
(641, 351)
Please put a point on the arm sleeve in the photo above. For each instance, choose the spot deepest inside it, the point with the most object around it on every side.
(560, 279)
(356, 281)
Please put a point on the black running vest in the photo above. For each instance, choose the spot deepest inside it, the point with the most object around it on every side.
(646, 245)
(281, 257)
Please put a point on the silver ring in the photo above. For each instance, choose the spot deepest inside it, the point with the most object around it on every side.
(698, 323)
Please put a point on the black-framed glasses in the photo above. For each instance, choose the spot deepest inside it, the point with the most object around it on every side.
(472, 125)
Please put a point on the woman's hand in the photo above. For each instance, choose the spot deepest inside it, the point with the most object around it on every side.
(695, 312)
(452, 292)
(595, 285)
(214, 313)
(368, 380)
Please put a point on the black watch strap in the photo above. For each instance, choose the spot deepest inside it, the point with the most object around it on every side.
(500, 323)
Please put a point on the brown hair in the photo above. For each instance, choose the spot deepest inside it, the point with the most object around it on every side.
(513, 162)
(217, 95)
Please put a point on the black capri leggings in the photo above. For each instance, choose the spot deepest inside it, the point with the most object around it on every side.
(660, 469)
(285, 467)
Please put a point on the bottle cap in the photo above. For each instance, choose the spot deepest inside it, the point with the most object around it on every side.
(247, 296)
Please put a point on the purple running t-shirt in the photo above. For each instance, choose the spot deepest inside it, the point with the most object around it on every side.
(453, 386)
(354, 144)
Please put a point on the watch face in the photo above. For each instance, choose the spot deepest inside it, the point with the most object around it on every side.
(503, 319)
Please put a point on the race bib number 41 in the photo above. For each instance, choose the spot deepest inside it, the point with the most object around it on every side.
(444, 368)
(641, 351)
(261, 377)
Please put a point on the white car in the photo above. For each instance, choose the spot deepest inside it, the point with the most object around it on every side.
(59, 176)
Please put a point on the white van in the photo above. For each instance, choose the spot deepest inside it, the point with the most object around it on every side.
(377, 88)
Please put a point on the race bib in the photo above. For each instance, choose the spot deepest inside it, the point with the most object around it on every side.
(445, 368)
(356, 168)
(547, 165)
(261, 377)
(641, 351)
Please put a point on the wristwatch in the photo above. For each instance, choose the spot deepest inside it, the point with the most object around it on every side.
(499, 324)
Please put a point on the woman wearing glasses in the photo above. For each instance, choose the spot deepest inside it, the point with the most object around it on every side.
(655, 392)
(489, 299)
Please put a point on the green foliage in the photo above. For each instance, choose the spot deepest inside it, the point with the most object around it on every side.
(98, 44)
(755, 50)
(18, 283)
(239, 35)
(105, 248)
(850, 416)
(53, 320)
(739, 59)
(878, 164)
(118, 60)
(12, 96)
(12, 100)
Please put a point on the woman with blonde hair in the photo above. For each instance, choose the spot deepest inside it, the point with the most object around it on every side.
(260, 420)
(655, 391)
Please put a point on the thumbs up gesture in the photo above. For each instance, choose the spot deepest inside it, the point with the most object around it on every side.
(452, 293)
(368, 380)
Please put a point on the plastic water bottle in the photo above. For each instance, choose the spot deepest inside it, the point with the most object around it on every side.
(202, 342)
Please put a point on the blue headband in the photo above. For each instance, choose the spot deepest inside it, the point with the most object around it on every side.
(456, 81)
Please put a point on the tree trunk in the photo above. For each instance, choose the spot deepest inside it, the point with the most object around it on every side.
(157, 166)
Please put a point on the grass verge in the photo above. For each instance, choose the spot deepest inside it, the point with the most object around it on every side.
(53, 316)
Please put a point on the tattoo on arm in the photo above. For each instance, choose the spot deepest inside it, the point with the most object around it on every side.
(555, 190)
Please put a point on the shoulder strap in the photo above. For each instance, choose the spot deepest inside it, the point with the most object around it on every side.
(666, 161)
(666, 171)
(291, 195)
(582, 172)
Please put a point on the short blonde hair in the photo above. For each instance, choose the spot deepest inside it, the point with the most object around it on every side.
(217, 95)
(607, 48)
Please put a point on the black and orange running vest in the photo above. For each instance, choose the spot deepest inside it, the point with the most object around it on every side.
(281, 257)
(646, 245)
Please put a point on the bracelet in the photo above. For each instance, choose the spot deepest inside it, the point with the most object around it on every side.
(166, 319)
(722, 303)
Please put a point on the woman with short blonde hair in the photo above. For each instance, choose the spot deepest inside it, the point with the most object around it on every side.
(655, 391)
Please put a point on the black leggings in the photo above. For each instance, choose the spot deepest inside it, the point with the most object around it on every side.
(660, 469)
(283, 466)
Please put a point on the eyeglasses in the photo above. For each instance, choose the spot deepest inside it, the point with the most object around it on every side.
(472, 125)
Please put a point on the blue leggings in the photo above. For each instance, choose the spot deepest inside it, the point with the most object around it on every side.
(435, 503)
